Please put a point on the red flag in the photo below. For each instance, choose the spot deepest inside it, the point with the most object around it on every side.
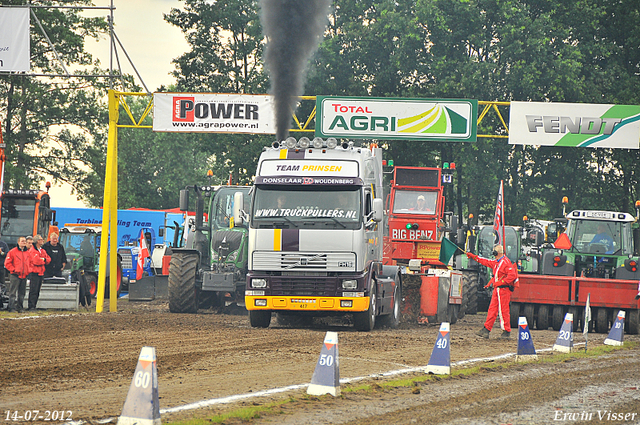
(498, 219)
(142, 255)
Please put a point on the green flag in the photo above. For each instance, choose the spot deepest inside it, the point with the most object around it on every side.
(447, 249)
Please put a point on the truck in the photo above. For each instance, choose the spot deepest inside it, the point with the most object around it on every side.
(557, 278)
(81, 243)
(25, 212)
(316, 236)
(417, 224)
(208, 268)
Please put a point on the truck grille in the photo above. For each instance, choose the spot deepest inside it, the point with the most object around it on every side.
(307, 262)
(303, 286)
(127, 262)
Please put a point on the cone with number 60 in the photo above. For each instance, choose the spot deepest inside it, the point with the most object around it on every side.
(142, 406)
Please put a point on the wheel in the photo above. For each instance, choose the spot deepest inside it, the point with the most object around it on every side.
(543, 318)
(92, 283)
(259, 318)
(576, 317)
(528, 312)
(557, 318)
(366, 320)
(183, 296)
(470, 293)
(633, 318)
(514, 314)
(602, 321)
(393, 320)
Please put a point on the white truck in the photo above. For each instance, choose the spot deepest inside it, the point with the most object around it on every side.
(316, 235)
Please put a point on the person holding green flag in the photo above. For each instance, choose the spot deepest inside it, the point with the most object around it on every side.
(504, 278)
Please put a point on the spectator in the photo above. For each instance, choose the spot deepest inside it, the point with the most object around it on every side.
(29, 242)
(17, 263)
(57, 255)
(4, 249)
(39, 258)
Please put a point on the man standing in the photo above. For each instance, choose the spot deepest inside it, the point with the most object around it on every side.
(39, 258)
(17, 263)
(57, 255)
(504, 276)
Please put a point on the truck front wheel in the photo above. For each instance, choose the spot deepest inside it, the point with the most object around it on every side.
(366, 320)
(183, 296)
(259, 318)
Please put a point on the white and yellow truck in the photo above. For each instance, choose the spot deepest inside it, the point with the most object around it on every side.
(315, 235)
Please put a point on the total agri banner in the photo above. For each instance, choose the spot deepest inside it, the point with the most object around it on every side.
(574, 124)
(400, 119)
(213, 113)
(14, 39)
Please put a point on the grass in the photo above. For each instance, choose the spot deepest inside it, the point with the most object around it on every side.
(246, 414)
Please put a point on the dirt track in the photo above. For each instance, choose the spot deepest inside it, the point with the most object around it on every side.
(84, 363)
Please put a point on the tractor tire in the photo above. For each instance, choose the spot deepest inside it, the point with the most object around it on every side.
(259, 318)
(366, 320)
(634, 321)
(514, 315)
(602, 321)
(543, 318)
(92, 283)
(576, 317)
(470, 292)
(557, 318)
(393, 320)
(528, 312)
(183, 294)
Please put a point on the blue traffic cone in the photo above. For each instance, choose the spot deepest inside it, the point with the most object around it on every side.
(326, 376)
(616, 334)
(440, 361)
(142, 405)
(526, 351)
(564, 342)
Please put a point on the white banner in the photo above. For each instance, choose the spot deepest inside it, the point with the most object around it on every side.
(213, 113)
(14, 39)
(574, 124)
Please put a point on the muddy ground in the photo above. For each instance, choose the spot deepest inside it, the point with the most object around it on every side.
(84, 363)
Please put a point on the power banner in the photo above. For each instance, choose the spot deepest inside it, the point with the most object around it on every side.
(213, 113)
(575, 125)
(399, 119)
(14, 39)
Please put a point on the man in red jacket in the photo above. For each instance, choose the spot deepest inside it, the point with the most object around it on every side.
(39, 258)
(18, 264)
(504, 276)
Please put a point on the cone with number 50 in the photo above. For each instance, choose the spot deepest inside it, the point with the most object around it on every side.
(142, 405)
(326, 377)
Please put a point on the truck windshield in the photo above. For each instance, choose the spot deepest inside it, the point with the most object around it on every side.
(414, 202)
(599, 236)
(17, 219)
(308, 207)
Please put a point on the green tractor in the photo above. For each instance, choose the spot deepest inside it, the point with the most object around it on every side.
(208, 267)
(81, 243)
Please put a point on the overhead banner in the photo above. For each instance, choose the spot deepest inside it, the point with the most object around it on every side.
(574, 124)
(14, 39)
(213, 113)
(401, 119)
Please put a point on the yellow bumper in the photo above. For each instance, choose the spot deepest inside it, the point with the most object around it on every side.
(307, 303)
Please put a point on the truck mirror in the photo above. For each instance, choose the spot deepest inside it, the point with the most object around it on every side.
(184, 200)
(378, 210)
(238, 202)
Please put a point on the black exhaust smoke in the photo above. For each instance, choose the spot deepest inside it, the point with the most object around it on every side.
(294, 29)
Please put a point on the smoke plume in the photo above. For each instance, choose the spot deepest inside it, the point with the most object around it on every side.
(294, 29)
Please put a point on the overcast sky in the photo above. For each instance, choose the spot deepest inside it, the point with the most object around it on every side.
(150, 42)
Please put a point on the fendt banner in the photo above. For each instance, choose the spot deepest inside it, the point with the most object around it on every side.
(574, 124)
(401, 119)
(213, 113)
(14, 39)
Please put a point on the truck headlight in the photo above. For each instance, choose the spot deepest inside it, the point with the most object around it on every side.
(261, 303)
(258, 283)
(349, 284)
